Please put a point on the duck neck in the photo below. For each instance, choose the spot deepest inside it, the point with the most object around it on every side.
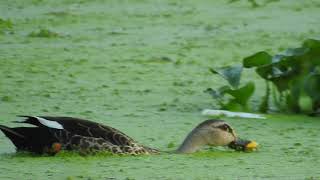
(192, 143)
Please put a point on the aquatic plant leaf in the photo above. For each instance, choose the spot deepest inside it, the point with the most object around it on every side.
(313, 54)
(258, 59)
(281, 71)
(233, 105)
(242, 94)
(218, 93)
(231, 73)
(311, 43)
(238, 97)
(296, 51)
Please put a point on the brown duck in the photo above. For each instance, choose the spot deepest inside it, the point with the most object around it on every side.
(53, 134)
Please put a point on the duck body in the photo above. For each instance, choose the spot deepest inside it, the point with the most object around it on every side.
(52, 134)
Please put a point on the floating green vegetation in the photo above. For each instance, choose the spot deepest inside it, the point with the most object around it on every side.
(6, 99)
(255, 4)
(5, 26)
(44, 33)
(67, 154)
(293, 75)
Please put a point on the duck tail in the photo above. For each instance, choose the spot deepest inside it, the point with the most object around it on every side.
(16, 138)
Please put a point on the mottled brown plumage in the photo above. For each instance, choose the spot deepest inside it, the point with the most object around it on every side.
(53, 134)
(76, 135)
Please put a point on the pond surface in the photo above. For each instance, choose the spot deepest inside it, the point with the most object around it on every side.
(142, 67)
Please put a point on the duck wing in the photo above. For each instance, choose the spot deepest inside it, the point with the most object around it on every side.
(81, 127)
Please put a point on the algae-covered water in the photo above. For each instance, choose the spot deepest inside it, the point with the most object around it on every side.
(141, 67)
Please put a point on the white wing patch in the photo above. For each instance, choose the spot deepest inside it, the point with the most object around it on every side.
(48, 123)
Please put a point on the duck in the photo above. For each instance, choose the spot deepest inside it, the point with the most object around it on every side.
(51, 134)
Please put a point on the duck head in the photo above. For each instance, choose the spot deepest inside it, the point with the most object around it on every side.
(210, 132)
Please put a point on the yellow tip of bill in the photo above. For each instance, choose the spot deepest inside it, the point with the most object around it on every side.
(252, 145)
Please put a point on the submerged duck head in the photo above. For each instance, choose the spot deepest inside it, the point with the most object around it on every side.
(210, 132)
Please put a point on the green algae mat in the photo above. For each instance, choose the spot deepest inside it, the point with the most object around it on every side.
(142, 67)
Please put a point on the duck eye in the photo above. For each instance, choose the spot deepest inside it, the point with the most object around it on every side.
(225, 128)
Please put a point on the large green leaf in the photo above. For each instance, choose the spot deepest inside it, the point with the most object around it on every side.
(311, 43)
(296, 51)
(238, 97)
(313, 55)
(218, 93)
(258, 59)
(282, 71)
(282, 82)
(242, 94)
(231, 73)
(233, 105)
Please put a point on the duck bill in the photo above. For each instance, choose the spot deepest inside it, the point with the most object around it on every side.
(251, 145)
(243, 145)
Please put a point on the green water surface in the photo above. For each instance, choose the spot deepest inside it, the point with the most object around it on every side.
(141, 67)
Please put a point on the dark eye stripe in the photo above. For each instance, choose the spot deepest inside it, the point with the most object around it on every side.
(225, 127)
